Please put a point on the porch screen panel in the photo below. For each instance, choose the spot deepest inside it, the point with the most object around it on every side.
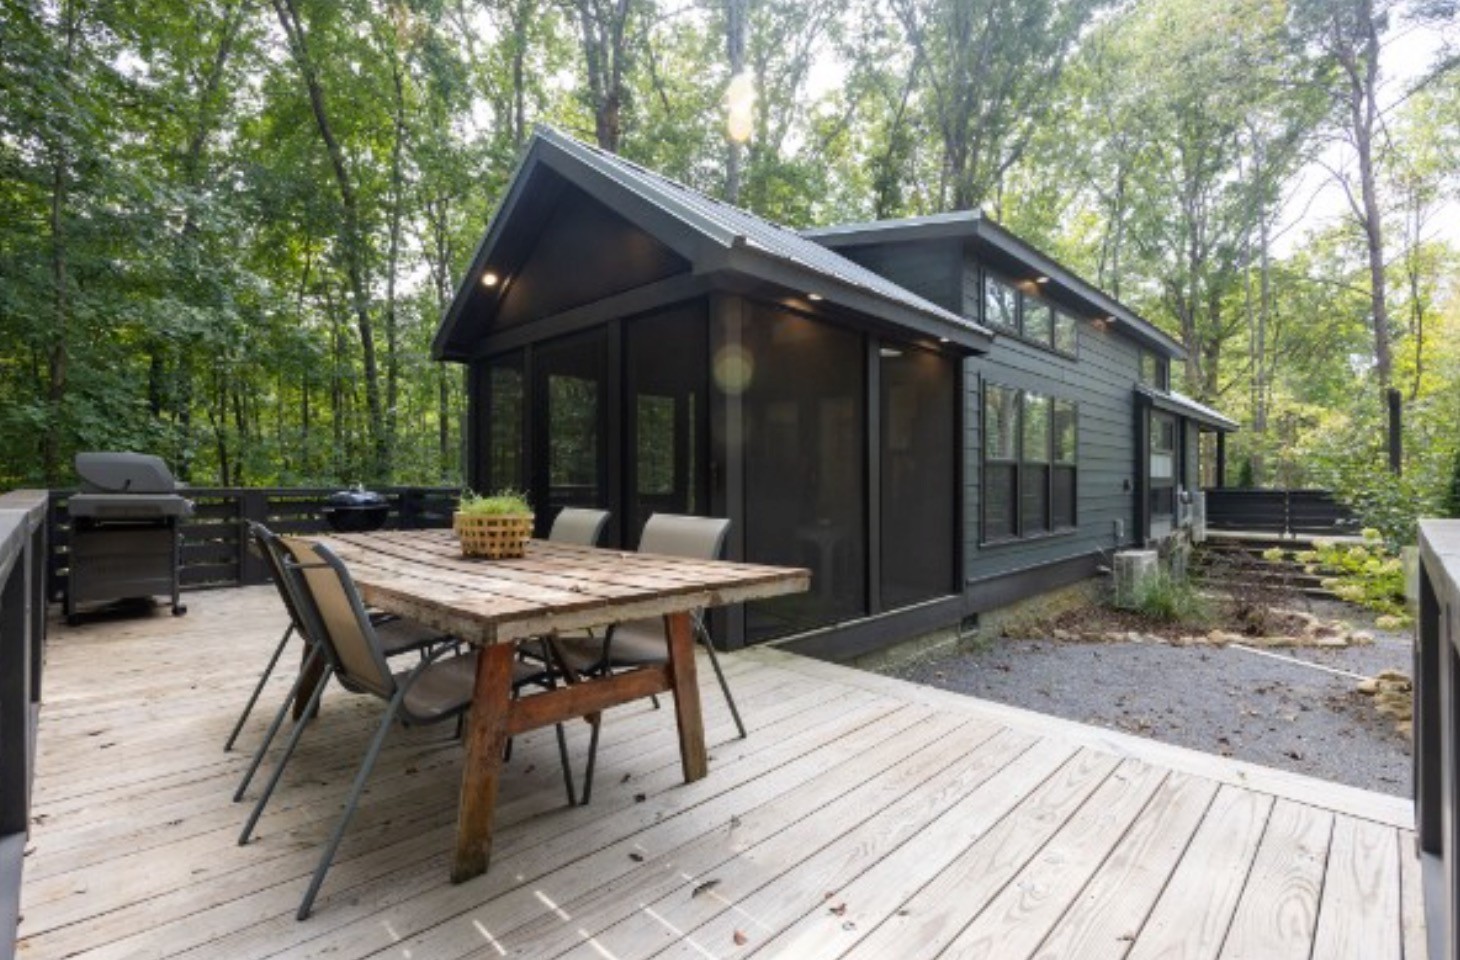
(504, 439)
(805, 468)
(571, 469)
(667, 358)
(918, 471)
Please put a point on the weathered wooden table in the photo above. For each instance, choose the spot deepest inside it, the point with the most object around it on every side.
(554, 588)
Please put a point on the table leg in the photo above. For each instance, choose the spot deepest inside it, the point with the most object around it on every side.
(686, 687)
(486, 737)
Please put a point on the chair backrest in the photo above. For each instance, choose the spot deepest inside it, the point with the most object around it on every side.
(328, 597)
(578, 526)
(273, 553)
(676, 535)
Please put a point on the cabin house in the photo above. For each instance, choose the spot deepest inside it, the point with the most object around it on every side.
(933, 416)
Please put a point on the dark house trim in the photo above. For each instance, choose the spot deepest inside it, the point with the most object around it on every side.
(991, 593)
(854, 638)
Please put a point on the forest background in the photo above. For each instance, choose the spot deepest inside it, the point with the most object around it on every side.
(228, 227)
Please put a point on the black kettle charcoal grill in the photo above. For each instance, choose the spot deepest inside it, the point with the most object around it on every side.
(125, 541)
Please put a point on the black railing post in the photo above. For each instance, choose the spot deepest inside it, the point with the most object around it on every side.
(252, 505)
(410, 508)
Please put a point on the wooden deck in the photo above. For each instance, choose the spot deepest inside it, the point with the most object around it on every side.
(864, 817)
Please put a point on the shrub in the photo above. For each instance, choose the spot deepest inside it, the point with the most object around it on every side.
(1170, 600)
(1368, 574)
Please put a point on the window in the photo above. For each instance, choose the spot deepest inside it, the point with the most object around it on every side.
(1000, 305)
(1034, 466)
(1008, 309)
(1029, 464)
(1155, 371)
(1000, 462)
(1038, 321)
(1063, 431)
(1065, 334)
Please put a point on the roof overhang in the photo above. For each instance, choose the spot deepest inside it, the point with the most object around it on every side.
(1184, 406)
(1008, 253)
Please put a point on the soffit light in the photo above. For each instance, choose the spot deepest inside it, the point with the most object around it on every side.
(1041, 279)
(490, 279)
(813, 296)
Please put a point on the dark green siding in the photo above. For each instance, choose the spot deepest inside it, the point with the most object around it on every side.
(1101, 381)
(1101, 378)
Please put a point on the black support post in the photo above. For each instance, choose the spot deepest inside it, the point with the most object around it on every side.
(1396, 431)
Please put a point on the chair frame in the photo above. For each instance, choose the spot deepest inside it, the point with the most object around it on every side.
(336, 667)
(605, 664)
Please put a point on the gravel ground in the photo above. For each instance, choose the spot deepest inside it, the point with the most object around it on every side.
(1220, 700)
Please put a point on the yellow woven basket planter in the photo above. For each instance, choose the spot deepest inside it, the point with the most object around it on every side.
(494, 537)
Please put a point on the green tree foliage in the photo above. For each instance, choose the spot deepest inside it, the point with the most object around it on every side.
(228, 228)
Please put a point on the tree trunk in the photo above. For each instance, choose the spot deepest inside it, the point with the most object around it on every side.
(397, 201)
(58, 356)
(353, 243)
(736, 14)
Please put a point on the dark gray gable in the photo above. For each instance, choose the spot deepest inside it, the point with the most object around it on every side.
(687, 230)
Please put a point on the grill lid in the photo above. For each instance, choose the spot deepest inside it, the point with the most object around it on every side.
(356, 497)
(138, 506)
(123, 473)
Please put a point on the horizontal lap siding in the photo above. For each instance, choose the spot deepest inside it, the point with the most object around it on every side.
(1101, 380)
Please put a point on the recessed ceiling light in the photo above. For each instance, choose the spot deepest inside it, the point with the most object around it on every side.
(942, 339)
(813, 296)
(1041, 279)
(490, 279)
(890, 352)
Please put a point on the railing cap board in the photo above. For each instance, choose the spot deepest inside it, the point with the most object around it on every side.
(1439, 544)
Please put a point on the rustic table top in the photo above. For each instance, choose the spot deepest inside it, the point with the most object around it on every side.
(555, 587)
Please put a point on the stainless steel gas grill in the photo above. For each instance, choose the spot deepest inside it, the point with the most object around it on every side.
(125, 541)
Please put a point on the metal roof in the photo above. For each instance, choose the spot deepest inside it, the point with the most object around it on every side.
(1179, 403)
(970, 224)
(731, 240)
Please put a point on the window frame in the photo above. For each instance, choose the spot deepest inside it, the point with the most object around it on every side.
(1049, 463)
(1159, 377)
(1022, 299)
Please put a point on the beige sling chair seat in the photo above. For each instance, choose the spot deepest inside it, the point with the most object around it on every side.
(639, 643)
(397, 636)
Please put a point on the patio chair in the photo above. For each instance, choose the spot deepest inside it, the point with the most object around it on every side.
(432, 691)
(397, 636)
(644, 642)
(578, 526)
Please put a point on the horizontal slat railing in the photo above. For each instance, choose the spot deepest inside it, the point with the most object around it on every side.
(1283, 512)
(22, 649)
(214, 546)
(1437, 733)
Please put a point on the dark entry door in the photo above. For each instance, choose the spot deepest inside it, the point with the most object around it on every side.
(1162, 474)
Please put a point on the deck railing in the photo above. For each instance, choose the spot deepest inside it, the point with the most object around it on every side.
(1288, 513)
(214, 547)
(1437, 732)
(22, 648)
